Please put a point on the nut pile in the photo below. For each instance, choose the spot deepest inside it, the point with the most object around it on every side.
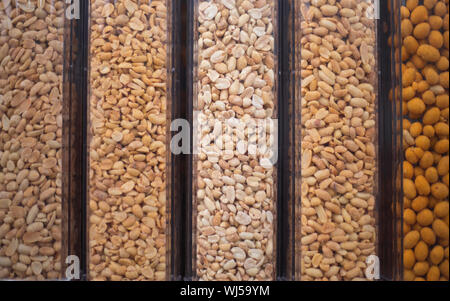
(425, 76)
(235, 196)
(127, 179)
(31, 63)
(338, 147)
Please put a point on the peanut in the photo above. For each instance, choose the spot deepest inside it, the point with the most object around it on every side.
(31, 78)
(235, 198)
(338, 148)
(128, 103)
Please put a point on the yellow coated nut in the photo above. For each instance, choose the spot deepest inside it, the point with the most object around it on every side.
(409, 189)
(421, 251)
(421, 86)
(405, 13)
(416, 106)
(428, 97)
(411, 156)
(408, 259)
(436, 22)
(442, 64)
(428, 53)
(411, 239)
(429, 131)
(408, 170)
(408, 77)
(445, 179)
(442, 101)
(406, 204)
(433, 274)
(431, 76)
(442, 129)
(441, 147)
(431, 116)
(419, 14)
(419, 64)
(429, 3)
(443, 79)
(411, 44)
(435, 39)
(405, 54)
(441, 209)
(405, 107)
(421, 31)
(415, 129)
(407, 28)
(423, 142)
(412, 4)
(406, 124)
(425, 217)
(440, 9)
(406, 228)
(422, 185)
(427, 160)
(408, 93)
(442, 167)
(437, 255)
(421, 268)
(431, 175)
(440, 228)
(409, 275)
(428, 236)
(439, 191)
(409, 216)
(443, 267)
(419, 203)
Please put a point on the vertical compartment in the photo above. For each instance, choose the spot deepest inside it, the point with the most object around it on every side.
(33, 209)
(425, 98)
(235, 139)
(337, 211)
(390, 127)
(289, 130)
(128, 135)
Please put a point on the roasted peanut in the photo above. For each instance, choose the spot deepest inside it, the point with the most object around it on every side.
(127, 177)
(31, 101)
(338, 147)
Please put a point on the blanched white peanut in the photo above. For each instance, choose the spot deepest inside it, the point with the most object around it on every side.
(234, 179)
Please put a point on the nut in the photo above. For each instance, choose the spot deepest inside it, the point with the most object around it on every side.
(338, 139)
(425, 103)
(127, 179)
(31, 66)
(234, 180)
